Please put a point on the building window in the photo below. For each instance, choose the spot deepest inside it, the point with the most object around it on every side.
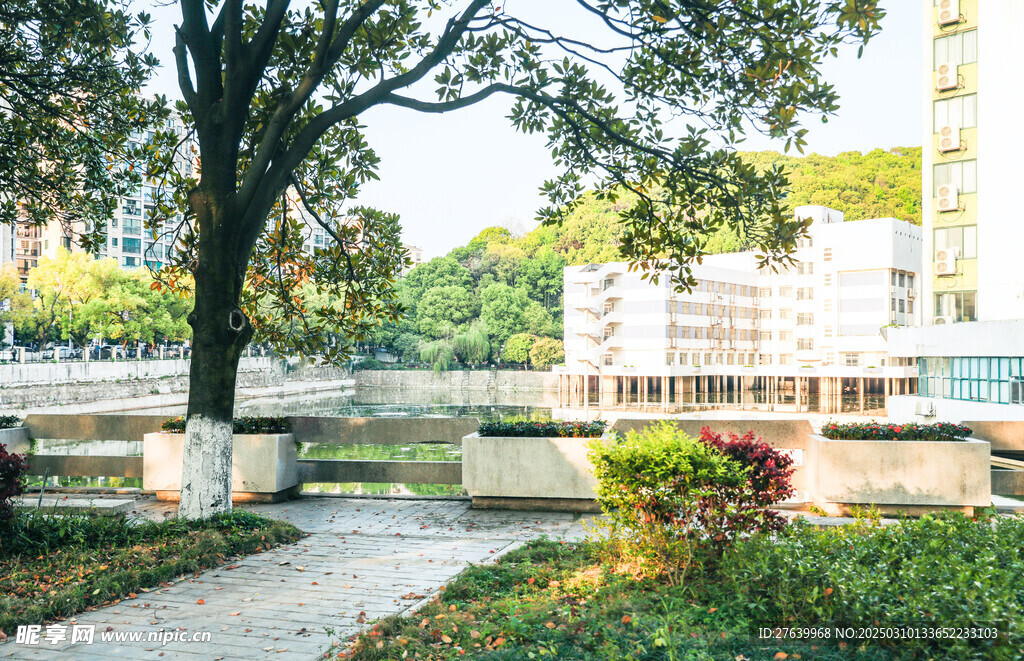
(893, 304)
(785, 291)
(850, 359)
(961, 306)
(963, 238)
(785, 336)
(113, 241)
(670, 358)
(606, 359)
(903, 279)
(964, 174)
(910, 306)
(683, 358)
(805, 242)
(785, 359)
(958, 48)
(765, 314)
(961, 111)
(805, 344)
(804, 293)
(827, 255)
(805, 319)
(609, 282)
(765, 359)
(764, 292)
(828, 331)
(132, 245)
(805, 268)
(902, 305)
(786, 314)
(828, 279)
(766, 336)
(131, 262)
(987, 379)
(910, 280)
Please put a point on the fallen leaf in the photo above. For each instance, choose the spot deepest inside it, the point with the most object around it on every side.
(201, 602)
(712, 610)
(446, 638)
(474, 634)
(550, 625)
(236, 613)
(530, 581)
(626, 619)
(828, 591)
(779, 656)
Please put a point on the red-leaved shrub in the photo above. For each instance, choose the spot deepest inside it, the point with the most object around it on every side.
(12, 480)
(768, 482)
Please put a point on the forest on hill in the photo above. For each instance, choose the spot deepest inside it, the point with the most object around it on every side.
(500, 296)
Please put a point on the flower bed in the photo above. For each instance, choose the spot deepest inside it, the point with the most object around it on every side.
(567, 429)
(531, 465)
(244, 425)
(874, 431)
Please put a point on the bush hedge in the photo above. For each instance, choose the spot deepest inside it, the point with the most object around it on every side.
(567, 429)
(911, 431)
(9, 421)
(12, 483)
(243, 425)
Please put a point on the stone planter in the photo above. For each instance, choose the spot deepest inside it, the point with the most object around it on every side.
(908, 476)
(263, 466)
(16, 439)
(515, 472)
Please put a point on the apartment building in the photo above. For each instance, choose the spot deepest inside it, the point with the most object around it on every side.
(970, 357)
(805, 328)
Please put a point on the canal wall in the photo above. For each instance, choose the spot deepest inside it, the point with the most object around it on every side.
(75, 383)
(504, 380)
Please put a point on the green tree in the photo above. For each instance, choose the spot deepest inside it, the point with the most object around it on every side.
(517, 348)
(438, 272)
(502, 310)
(538, 321)
(274, 95)
(407, 346)
(439, 354)
(442, 310)
(546, 352)
(473, 346)
(542, 277)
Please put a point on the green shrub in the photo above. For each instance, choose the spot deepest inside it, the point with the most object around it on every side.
(369, 364)
(9, 421)
(243, 425)
(911, 431)
(12, 482)
(568, 429)
(939, 571)
(657, 487)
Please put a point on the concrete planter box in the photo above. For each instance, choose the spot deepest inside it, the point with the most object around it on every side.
(515, 472)
(263, 466)
(910, 476)
(16, 439)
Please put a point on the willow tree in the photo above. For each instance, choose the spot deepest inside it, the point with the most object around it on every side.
(647, 96)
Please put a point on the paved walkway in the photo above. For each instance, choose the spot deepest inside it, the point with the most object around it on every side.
(364, 559)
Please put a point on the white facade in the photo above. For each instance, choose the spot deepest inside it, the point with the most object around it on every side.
(850, 280)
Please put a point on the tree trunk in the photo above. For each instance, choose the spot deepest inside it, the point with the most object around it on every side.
(220, 332)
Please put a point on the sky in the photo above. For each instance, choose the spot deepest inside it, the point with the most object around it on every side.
(450, 176)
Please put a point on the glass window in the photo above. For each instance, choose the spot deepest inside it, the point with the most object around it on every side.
(962, 173)
(961, 111)
(959, 48)
(964, 238)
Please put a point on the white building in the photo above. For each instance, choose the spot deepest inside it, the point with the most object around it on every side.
(812, 324)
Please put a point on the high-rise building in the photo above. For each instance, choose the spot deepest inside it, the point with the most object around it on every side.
(815, 328)
(970, 351)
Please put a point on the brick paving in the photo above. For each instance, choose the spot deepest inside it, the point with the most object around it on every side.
(364, 559)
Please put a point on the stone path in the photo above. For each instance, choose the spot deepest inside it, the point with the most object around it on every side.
(363, 560)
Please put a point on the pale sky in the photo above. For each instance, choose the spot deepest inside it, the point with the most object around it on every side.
(449, 176)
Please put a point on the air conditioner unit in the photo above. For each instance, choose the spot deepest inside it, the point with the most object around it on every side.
(911, 293)
(949, 198)
(947, 77)
(941, 321)
(892, 290)
(945, 261)
(949, 139)
(949, 12)
(925, 407)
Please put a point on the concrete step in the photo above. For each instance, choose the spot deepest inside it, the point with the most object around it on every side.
(63, 504)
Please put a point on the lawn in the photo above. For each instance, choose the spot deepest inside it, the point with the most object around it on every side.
(54, 566)
(576, 601)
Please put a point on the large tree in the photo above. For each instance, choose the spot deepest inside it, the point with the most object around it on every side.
(276, 93)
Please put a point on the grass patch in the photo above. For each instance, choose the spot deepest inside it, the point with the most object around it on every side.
(54, 566)
(569, 601)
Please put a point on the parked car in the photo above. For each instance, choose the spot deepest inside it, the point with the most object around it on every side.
(63, 353)
(106, 351)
